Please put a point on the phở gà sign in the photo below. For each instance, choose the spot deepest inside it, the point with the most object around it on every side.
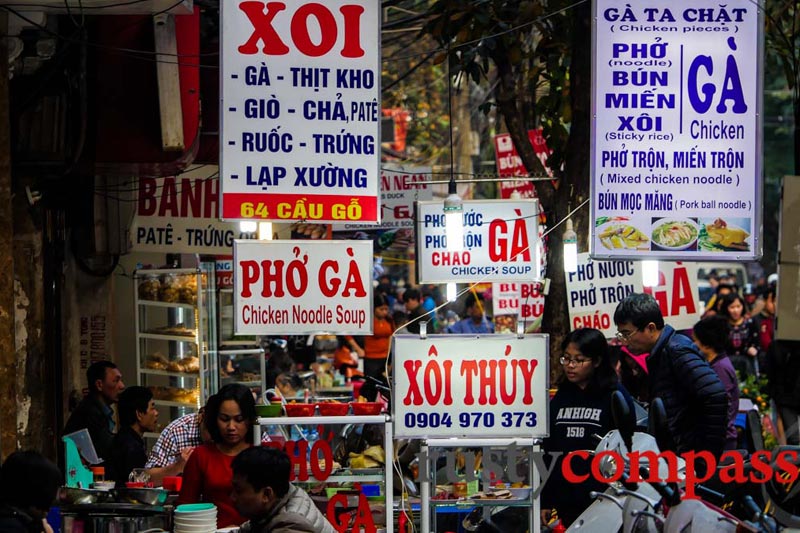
(293, 286)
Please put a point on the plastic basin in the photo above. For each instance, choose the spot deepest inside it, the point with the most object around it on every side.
(333, 409)
(269, 411)
(300, 409)
(366, 408)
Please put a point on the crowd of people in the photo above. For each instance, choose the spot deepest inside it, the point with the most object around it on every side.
(696, 373)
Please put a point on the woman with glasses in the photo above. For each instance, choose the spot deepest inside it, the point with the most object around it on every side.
(580, 409)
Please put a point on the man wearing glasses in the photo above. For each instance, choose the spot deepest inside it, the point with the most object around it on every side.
(693, 396)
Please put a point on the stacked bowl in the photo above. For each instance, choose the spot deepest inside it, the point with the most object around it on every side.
(196, 518)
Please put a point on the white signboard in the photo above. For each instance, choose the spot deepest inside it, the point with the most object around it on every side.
(300, 286)
(468, 386)
(500, 238)
(401, 186)
(594, 291)
(300, 111)
(676, 137)
(179, 214)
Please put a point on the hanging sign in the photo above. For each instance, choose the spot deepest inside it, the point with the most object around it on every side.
(594, 291)
(500, 242)
(512, 302)
(676, 159)
(401, 186)
(509, 163)
(302, 287)
(300, 111)
(468, 386)
(179, 214)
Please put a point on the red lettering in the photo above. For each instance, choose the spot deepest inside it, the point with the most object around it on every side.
(508, 397)
(352, 31)
(652, 459)
(297, 452)
(211, 199)
(733, 471)
(487, 382)
(249, 276)
(448, 383)
(169, 198)
(433, 376)
(682, 294)
(691, 471)
(498, 250)
(509, 287)
(342, 521)
(520, 249)
(450, 258)
(413, 396)
(468, 368)
(321, 474)
(617, 462)
(760, 463)
(530, 290)
(327, 25)
(566, 467)
(191, 197)
(328, 286)
(527, 367)
(787, 466)
(262, 28)
(147, 197)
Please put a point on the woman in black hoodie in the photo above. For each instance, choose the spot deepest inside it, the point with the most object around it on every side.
(580, 409)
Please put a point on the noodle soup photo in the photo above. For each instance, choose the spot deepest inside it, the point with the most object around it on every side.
(674, 234)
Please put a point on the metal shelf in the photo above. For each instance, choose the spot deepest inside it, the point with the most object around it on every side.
(155, 372)
(169, 305)
(176, 338)
(170, 403)
(314, 420)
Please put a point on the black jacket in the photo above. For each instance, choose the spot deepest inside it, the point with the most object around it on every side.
(694, 397)
(783, 370)
(14, 520)
(92, 414)
(575, 416)
(128, 452)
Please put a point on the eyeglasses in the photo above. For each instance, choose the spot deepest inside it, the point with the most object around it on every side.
(625, 337)
(572, 362)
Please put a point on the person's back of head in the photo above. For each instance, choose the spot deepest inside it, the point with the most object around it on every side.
(262, 467)
(471, 299)
(712, 331)
(29, 481)
(132, 400)
(639, 309)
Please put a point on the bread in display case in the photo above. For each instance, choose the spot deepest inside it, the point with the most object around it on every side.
(175, 341)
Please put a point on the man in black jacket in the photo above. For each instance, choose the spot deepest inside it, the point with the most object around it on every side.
(693, 396)
(94, 413)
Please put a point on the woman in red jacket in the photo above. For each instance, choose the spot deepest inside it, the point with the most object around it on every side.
(229, 418)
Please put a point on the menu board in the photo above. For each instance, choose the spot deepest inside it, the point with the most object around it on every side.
(676, 139)
(500, 242)
(300, 111)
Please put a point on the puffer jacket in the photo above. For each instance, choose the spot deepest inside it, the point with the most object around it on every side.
(294, 513)
(694, 397)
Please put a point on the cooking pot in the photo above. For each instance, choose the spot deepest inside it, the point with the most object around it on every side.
(75, 496)
(141, 496)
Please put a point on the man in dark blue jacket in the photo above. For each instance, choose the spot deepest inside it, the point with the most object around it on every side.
(693, 396)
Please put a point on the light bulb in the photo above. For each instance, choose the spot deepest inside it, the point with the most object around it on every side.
(453, 222)
(265, 231)
(650, 273)
(452, 292)
(248, 226)
(570, 240)
(454, 231)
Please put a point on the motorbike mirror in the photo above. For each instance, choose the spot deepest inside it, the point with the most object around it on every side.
(623, 418)
(657, 425)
